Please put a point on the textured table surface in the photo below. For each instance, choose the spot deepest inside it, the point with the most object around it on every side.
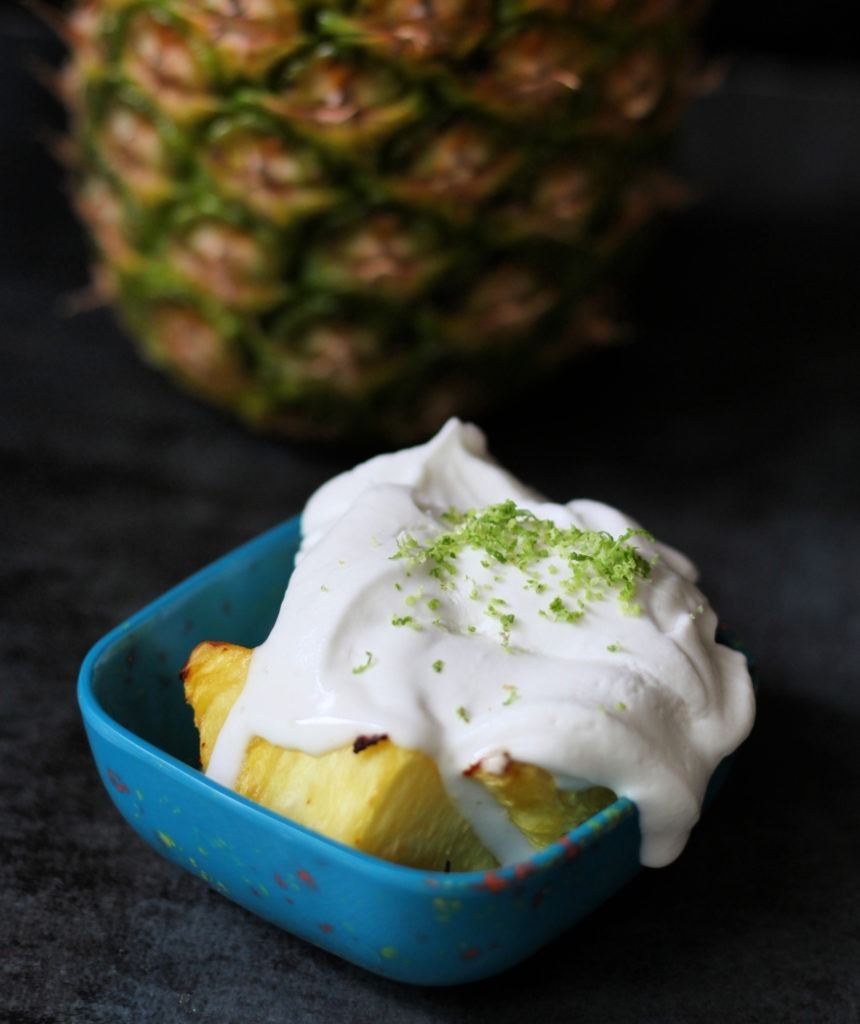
(730, 427)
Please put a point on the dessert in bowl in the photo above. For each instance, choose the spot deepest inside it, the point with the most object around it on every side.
(546, 678)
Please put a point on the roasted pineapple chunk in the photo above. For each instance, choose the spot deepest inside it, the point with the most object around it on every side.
(535, 804)
(374, 795)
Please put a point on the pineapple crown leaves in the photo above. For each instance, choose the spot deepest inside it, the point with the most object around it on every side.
(594, 562)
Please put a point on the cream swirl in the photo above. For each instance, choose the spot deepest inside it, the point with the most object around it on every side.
(482, 658)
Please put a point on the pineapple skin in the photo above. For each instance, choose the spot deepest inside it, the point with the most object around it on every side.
(357, 218)
(376, 796)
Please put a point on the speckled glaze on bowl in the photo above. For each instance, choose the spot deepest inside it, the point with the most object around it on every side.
(415, 926)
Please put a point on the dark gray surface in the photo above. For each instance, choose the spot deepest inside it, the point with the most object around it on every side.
(730, 427)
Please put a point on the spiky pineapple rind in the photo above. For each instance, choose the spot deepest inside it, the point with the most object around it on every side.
(362, 217)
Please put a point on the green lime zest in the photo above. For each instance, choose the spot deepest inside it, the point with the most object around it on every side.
(365, 665)
(590, 562)
(405, 620)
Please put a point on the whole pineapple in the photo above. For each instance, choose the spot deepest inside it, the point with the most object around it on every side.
(357, 217)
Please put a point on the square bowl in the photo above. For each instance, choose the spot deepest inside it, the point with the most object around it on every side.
(428, 928)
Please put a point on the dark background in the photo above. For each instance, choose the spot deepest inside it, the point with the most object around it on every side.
(730, 426)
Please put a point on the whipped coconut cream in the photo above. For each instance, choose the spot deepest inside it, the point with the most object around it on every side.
(471, 657)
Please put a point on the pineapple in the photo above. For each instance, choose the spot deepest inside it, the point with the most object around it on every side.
(375, 795)
(355, 218)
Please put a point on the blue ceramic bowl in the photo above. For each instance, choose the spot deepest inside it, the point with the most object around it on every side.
(416, 926)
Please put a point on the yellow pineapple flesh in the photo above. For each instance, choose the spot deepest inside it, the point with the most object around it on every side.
(374, 795)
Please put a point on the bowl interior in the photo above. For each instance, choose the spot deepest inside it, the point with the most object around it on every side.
(135, 678)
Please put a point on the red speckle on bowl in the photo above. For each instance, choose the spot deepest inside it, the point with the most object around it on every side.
(571, 849)
(117, 782)
(494, 882)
